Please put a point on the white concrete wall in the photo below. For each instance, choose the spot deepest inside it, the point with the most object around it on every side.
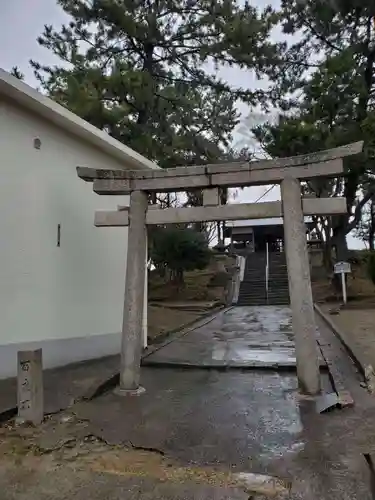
(49, 292)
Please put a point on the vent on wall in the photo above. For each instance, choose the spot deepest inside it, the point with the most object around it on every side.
(58, 235)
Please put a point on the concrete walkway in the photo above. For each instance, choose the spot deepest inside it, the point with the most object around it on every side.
(241, 337)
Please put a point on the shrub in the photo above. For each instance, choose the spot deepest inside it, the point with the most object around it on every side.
(180, 250)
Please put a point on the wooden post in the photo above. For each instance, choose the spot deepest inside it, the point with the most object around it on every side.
(30, 387)
(132, 328)
(300, 287)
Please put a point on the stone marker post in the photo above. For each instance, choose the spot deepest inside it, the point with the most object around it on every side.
(132, 328)
(300, 287)
(30, 387)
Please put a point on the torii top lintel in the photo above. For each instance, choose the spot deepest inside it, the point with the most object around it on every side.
(320, 164)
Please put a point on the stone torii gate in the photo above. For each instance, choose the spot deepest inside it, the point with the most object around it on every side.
(286, 171)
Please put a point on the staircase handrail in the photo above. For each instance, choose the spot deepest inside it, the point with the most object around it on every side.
(267, 270)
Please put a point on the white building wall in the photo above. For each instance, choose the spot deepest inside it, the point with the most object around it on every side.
(68, 299)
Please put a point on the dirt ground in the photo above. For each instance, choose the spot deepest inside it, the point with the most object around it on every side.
(201, 291)
(357, 327)
(63, 451)
(164, 319)
(355, 320)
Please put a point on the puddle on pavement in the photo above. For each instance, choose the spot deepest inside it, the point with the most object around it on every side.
(267, 319)
(276, 355)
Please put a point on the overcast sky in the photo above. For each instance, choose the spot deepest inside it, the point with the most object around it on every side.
(22, 21)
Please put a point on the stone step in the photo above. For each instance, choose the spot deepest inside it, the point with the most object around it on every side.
(262, 291)
(253, 282)
(270, 295)
(263, 296)
(252, 296)
(248, 285)
(271, 286)
(253, 287)
(253, 293)
(272, 283)
(278, 262)
(250, 289)
(253, 303)
(262, 267)
(277, 280)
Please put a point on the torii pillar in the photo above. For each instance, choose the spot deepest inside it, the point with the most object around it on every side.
(133, 319)
(300, 287)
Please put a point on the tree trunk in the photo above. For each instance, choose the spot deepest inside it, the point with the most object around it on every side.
(323, 230)
(327, 256)
(340, 244)
(161, 270)
(219, 233)
(341, 247)
(371, 245)
(198, 227)
(180, 278)
(371, 236)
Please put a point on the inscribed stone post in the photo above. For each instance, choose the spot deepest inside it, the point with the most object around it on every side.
(132, 328)
(300, 287)
(30, 386)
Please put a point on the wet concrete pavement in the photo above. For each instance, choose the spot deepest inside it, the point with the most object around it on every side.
(250, 420)
(241, 337)
(204, 417)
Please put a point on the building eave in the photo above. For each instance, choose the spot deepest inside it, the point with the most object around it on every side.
(274, 221)
(32, 100)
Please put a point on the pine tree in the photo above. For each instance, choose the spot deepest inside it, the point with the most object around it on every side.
(324, 84)
(140, 69)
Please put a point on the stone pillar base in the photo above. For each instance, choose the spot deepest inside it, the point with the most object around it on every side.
(129, 392)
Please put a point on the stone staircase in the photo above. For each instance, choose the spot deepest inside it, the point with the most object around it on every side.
(253, 287)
